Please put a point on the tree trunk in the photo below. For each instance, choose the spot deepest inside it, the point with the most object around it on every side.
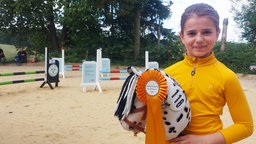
(224, 34)
(137, 35)
(52, 30)
(53, 36)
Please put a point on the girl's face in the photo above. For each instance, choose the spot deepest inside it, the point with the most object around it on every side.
(199, 36)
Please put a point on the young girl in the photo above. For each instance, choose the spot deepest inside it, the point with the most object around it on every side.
(208, 83)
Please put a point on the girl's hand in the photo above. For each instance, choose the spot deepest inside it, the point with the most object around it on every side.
(215, 138)
(190, 139)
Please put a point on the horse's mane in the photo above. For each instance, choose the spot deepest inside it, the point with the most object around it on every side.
(126, 96)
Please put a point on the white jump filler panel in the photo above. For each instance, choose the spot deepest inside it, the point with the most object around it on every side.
(90, 75)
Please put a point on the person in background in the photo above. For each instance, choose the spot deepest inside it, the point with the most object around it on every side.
(209, 85)
(21, 56)
(2, 56)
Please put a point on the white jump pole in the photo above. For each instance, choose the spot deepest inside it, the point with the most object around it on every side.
(98, 66)
(63, 62)
(45, 64)
(98, 60)
(146, 60)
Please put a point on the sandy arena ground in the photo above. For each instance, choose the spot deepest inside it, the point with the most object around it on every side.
(67, 115)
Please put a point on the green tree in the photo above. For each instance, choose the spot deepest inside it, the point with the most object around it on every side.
(28, 19)
(82, 26)
(245, 16)
(130, 20)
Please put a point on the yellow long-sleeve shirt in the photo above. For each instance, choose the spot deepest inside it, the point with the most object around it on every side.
(209, 85)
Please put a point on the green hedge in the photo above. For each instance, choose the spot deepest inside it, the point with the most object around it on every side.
(238, 57)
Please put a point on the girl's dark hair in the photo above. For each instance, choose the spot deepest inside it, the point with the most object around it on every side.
(200, 9)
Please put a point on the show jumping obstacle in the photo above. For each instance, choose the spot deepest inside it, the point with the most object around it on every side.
(73, 67)
(93, 72)
(108, 72)
(46, 80)
(150, 64)
(103, 66)
(21, 73)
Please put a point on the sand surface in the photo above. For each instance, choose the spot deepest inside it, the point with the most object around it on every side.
(67, 115)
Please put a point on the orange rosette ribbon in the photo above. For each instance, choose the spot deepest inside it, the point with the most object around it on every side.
(151, 89)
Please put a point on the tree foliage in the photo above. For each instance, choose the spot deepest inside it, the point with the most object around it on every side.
(245, 16)
(82, 26)
(28, 20)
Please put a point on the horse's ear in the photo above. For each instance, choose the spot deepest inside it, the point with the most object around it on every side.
(129, 70)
